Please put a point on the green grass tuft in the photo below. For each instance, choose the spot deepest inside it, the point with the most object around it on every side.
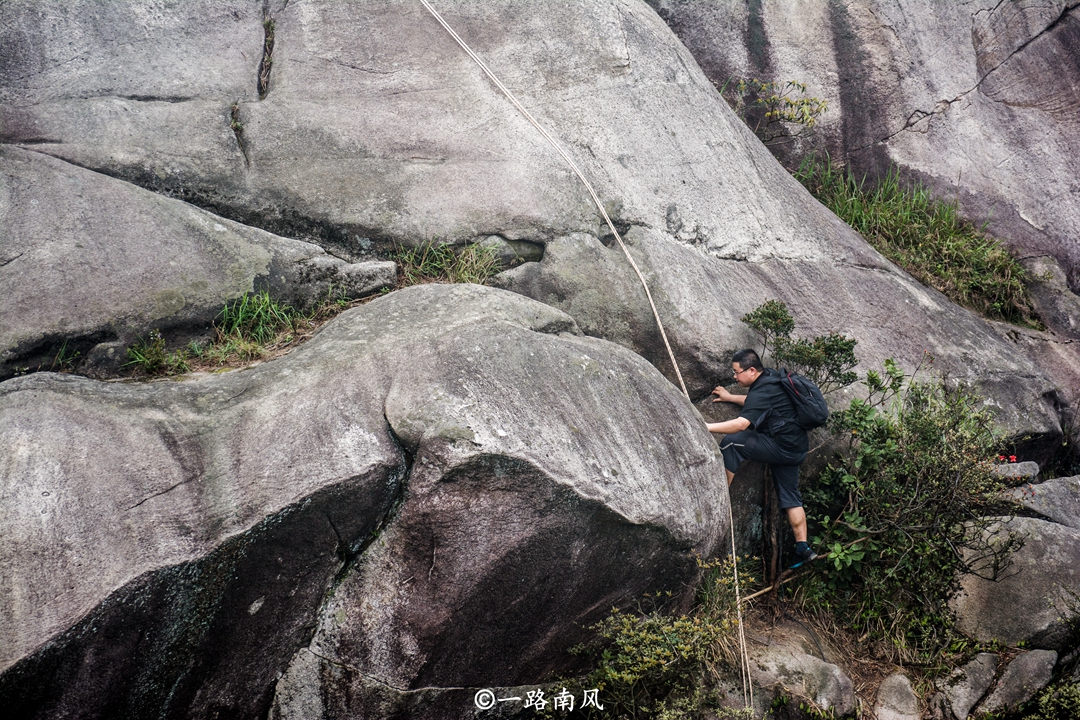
(149, 356)
(926, 237)
(440, 262)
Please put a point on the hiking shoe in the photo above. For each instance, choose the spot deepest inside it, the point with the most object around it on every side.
(804, 556)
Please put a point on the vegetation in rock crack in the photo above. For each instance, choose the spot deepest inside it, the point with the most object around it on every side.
(657, 665)
(777, 112)
(149, 356)
(441, 262)
(1060, 701)
(253, 327)
(828, 360)
(926, 237)
(904, 512)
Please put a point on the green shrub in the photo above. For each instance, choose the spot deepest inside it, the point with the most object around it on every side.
(149, 356)
(440, 262)
(246, 329)
(903, 513)
(777, 112)
(926, 237)
(653, 664)
(826, 359)
(1057, 702)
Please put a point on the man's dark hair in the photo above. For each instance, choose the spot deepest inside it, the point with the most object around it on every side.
(748, 359)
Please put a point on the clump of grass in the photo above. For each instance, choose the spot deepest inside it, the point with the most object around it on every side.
(655, 664)
(253, 327)
(926, 237)
(149, 356)
(441, 262)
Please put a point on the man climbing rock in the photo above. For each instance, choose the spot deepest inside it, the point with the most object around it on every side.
(766, 431)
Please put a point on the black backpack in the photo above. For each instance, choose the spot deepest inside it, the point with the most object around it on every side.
(810, 408)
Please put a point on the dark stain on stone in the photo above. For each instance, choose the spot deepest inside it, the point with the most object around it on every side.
(206, 638)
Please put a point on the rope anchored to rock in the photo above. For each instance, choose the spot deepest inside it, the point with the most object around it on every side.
(744, 665)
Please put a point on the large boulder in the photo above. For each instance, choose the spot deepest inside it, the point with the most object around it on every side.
(1057, 500)
(788, 663)
(978, 98)
(375, 129)
(441, 490)
(1034, 600)
(89, 263)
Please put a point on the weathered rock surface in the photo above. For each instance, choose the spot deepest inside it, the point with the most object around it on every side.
(786, 663)
(444, 485)
(967, 685)
(1035, 599)
(976, 98)
(1013, 473)
(87, 261)
(1057, 500)
(376, 129)
(896, 700)
(1025, 675)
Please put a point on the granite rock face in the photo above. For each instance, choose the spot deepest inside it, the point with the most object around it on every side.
(896, 699)
(433, 504)
(1042, 580)
(976, 99)
(88, 264)
(788, 663)
(374, 129)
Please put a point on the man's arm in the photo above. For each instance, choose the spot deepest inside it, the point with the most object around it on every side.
(722, 395)
(728, 426)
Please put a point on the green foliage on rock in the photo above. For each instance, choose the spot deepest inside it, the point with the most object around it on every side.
(1057, 702)
(653, 664)
(777, 112)
(249, 328)
(926, 237)
(149, 356)
(441, 262)
(904, 511)
(826, 359)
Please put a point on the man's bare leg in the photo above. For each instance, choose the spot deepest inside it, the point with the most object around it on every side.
(796, 517)
(730, 476)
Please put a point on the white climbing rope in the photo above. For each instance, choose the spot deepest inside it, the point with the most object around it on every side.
(744, 665)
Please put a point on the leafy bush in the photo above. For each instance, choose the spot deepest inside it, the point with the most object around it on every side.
(903, 512)
(1057, 702)
(440, 262)
(777, 112)
(658, 665)
(926, 237)
(826, 359)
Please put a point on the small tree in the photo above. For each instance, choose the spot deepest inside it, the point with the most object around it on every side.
(777, 112)
(828, 360)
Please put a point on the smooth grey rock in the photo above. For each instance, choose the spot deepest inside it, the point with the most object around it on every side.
(1035, 600)
(1026, 471)
(974, 98)
(1051, 297)
(967, 685)
(896, 700)
(403, 141)
(1057, 499)
(88, 263)
(783, 663)
(447, 484)
(1026, 675)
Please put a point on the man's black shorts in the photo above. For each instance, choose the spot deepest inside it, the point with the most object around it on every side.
(750, 445)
